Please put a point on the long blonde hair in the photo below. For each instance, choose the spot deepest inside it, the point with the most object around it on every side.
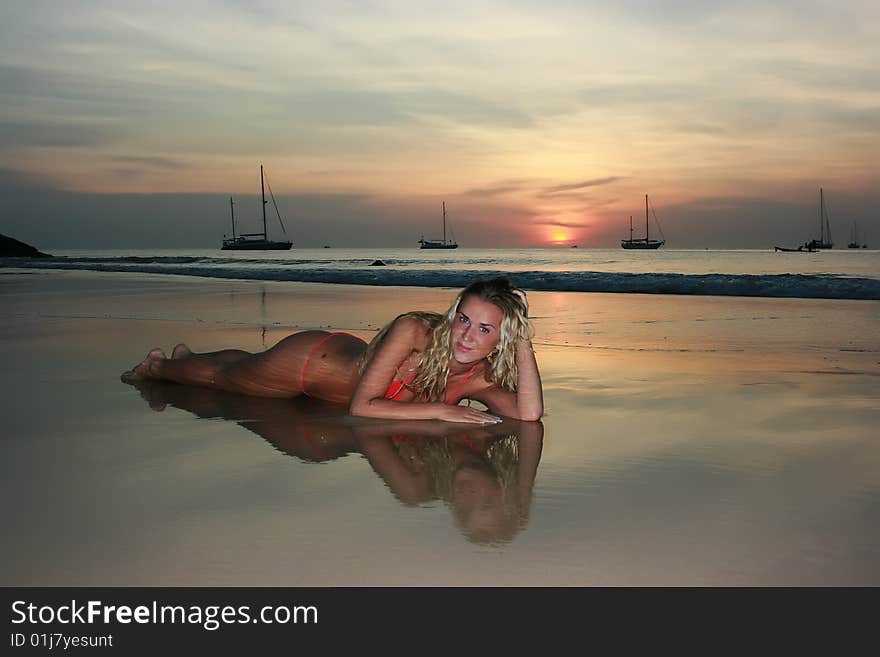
(499, 460)
(430, 382)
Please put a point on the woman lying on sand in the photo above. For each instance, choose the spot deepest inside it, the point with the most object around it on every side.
(418, 367)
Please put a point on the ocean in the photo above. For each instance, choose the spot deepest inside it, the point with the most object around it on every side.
(835, 274)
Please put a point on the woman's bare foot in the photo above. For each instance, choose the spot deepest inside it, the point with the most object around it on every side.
(147, 368)
(181, 351)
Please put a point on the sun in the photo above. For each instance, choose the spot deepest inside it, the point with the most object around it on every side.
(557, 235)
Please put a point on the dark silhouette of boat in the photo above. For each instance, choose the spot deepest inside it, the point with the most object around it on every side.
(256, 241)
(439, 244)
(824, 241)
(821, 243)
(854, 238)
(643, 242)
(806, 248)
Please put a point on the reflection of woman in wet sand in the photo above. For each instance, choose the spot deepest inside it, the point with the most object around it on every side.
(484, 474)
(479, 349)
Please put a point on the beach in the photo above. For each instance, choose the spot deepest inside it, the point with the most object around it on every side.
(688, 440)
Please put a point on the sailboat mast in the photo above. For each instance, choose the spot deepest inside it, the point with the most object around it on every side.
(827, 222)
(630, 228)
(646, 219)
(821, 216)
(232, 213)
(263, 191)
(444, 222)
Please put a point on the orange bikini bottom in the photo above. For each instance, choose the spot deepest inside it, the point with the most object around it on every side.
(394, 388)
(318, 345)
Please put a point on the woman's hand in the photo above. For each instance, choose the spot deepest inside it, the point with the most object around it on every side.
(467, 414)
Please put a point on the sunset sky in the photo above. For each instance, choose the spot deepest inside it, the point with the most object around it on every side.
(129, 124)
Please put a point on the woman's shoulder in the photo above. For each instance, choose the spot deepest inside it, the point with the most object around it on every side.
(411, 327)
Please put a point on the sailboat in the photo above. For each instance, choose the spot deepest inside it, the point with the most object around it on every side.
(439, 244)
(854, 238)
(806, 248)
(646, 242)
(256, 241)
(824, 241)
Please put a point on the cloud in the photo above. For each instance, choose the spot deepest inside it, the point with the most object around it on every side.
(152, 162)
(821, 75)
(463, 108)
(595, 182)
(14, 134)
(700, 128)
(14, 181)
(638, 94)
(500, 188)
(867, 119)
(524, 107)
(562, 224)
(669, 13)
(342, 102)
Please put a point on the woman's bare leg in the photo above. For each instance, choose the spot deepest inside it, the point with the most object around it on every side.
(276, 372)
(184, 366)
(199, 369)
(301, 427)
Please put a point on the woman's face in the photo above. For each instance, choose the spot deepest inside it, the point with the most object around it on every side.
(476, 329)
(478, 502)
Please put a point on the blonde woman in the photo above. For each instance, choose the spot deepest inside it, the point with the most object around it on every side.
(418, 367)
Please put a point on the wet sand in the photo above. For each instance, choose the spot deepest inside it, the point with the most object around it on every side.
(687, 441)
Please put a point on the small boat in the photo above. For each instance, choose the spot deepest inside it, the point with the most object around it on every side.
(806, 248)
(439, 244)
(256, 241)
(824, 241)
(854, 238)
(643, 242)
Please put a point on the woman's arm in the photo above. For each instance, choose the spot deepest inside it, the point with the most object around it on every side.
(377, 429)
(405, 336)
(527, 403)
(409, 487)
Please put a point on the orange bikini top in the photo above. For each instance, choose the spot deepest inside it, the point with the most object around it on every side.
(396, 387)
